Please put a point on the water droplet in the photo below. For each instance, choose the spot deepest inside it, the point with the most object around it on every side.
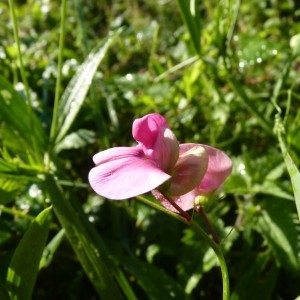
(259, 60)
(172, 294)
(129, 77)
(274, 52)
(34, 191)
(92, 219)
(241, 169)
(241, 64)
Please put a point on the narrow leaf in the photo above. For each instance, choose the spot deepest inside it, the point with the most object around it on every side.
(3, 292)
(24, 266)
(51, 248)
(190, 15)
(276, 222)
(76, 91)
(258, 281)
(76, 140)
(156, 283)
(293, 172)
(92, 254)
(22, 129)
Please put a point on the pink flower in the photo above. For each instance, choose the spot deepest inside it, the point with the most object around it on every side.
(158, 163)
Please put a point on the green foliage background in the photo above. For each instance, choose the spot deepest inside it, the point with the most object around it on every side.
(226, 75)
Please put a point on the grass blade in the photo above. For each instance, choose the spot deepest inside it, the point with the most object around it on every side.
(21, 128)
(76, 91)
(293, 172)
(190, 15)
(24, 266)
(91, 254)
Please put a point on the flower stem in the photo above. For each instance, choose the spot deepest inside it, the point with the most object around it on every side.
(201, 233)
(63, 10)
(179, 209)
(213, 233)
(218, 251)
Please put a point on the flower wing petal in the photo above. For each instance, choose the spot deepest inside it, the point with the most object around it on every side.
(188, 171)
(219, 168)
(124, 172)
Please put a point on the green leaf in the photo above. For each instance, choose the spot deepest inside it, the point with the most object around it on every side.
(9, 189)
(190, 14)
(23, 132)
(76, 140)
(24, 265)
(154, 281)
(276, 222)
(3, 292)
(293, 172)
(258, 281)
(89, 248)
(51, 248)
(76, 91)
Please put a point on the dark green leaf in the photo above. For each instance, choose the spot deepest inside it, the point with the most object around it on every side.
(3, 292)
(154, 281)
(24, 265)
(277, 223)
(258, 281)
(90, 251)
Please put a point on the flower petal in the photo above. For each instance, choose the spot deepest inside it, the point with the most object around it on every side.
(219, 168)
(188, 171)
(185, 202)
(124, 172)
(158, 141)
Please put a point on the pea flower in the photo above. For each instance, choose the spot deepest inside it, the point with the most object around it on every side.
(173, 172)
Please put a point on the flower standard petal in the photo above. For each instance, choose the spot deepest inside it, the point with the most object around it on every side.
(158, 141)
(124, 172)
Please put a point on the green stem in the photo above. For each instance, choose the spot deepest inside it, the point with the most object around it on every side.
(202, 213)
(201, 233)
(30, 112)
(218, 251)
(63, 10)
(13, 16)
(15, 213)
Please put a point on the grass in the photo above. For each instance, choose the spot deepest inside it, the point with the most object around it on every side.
(74, 76)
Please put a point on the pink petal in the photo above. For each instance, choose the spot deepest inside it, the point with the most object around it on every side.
(158, 141)
(219, 168)
(188, 171)
(185, 202)
(124, 172)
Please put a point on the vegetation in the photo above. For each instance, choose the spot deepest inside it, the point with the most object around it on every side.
(76, 74)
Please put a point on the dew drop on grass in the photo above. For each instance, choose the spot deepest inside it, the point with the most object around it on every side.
(241, 169)
(129, 77)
